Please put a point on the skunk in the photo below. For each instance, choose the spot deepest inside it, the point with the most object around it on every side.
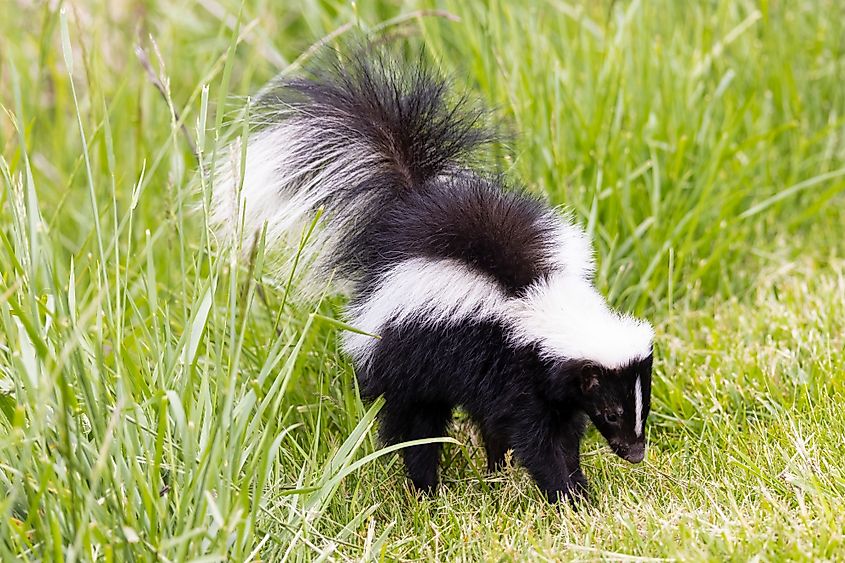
(481, 294)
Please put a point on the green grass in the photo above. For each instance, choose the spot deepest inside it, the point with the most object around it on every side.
(159, 400)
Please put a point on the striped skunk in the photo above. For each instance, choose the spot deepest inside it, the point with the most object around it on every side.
(481, 294)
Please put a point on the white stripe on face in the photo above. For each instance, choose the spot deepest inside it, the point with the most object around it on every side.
(638, 408)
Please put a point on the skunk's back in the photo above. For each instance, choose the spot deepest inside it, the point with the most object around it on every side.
(509, 236)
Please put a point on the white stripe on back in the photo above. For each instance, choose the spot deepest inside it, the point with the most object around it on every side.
(564, 316)
(427, 292)
(567, 318)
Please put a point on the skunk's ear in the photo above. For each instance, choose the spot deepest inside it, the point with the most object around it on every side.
(589, 379)
(574, 376)
(589, 382)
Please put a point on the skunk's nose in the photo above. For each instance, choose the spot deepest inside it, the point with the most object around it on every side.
(634, 454)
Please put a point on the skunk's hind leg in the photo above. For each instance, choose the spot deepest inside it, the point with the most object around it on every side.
(401, 422)
(496, 445)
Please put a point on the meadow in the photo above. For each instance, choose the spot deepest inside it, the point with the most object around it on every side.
(164, 399)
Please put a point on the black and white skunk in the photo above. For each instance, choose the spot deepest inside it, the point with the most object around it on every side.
(481, 295)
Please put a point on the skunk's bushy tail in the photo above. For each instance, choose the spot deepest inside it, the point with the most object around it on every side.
(349, 137)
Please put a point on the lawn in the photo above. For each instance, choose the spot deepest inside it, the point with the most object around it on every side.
(164, 399)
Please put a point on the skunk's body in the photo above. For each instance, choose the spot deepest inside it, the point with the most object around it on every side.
(482, 295)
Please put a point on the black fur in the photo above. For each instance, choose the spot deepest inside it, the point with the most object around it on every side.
(534, 406)
(466, 218)
(426, 199)
(407, 115)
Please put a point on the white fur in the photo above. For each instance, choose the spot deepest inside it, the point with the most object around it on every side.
(290, 170)
(565, 317)
(638, 408)
(430, 292)
(569, 249)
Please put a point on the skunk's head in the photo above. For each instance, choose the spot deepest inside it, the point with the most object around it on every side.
(618, 401)
(603, 357)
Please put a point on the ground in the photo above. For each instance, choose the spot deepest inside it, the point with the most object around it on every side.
(162, 399)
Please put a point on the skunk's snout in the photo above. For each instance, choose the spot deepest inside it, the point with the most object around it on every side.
(633, 453)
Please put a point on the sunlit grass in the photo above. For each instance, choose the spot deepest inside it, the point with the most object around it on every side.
(164, 400)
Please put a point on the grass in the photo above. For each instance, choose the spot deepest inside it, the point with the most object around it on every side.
(160, 400)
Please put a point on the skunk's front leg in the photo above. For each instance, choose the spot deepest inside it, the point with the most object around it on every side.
(571, 432)
(541, 452)
(572, 456)
(402, 422)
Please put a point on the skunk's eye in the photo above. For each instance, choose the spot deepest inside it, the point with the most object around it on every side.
(611, 418)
